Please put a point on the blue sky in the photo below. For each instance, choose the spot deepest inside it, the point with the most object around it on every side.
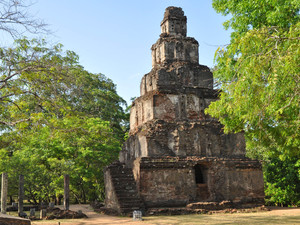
(114, 37)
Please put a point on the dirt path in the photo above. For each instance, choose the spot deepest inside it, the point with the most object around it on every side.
(275, 216)
(93, 218)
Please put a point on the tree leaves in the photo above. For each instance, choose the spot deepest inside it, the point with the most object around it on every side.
(57, 118)
(259, 74)
(256, 14)
(261, 86)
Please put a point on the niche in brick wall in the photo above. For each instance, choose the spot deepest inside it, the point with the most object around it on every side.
(201, 176)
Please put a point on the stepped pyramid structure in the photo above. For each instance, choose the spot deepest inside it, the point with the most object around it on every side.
(175, 153)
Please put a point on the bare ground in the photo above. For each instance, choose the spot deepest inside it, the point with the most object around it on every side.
(276, 215)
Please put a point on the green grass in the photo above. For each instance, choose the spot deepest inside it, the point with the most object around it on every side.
(237, 218)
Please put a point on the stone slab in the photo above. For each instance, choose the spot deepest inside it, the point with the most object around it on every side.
(12, 220)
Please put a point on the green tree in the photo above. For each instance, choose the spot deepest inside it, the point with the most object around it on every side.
(78, 146)
(36, 80)
(259, 75)
(56, 118)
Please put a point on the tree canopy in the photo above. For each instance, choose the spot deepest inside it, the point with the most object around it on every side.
(57, 118)
(256, 14)
(259, 75)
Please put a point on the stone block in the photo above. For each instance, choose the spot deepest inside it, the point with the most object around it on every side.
(12, 220)
(178, 181)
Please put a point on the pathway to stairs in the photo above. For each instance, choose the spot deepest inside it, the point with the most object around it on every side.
(93, 218)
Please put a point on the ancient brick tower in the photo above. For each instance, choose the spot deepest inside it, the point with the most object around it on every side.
(175, 154)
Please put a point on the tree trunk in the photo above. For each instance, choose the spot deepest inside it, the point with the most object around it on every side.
(11, 200)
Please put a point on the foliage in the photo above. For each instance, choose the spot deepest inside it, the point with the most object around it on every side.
(80, 147)
(261, 88)
(35, 79)
(56, 118)
(256, 14)
(282, 179)
(259, 74)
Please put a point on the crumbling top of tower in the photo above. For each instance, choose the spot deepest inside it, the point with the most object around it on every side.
(173, 44)
(174, 22)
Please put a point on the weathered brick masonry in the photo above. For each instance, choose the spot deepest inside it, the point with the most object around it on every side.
(175, 152)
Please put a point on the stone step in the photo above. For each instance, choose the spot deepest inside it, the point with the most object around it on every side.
(121, 189)
(122, 176)
(125, 188)
(127, 195)
(131, 201)
(120, 169)
(125, 198)
(130, 209)
(125, 184)
(130, 206)
(122, 180)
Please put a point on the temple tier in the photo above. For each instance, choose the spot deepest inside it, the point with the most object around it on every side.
(176, 154)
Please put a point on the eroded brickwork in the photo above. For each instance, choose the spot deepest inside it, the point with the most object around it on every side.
(168, 119)
(170, 181)
(177, 153)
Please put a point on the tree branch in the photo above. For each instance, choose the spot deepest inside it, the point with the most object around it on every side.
(13, 15)
(14, 123)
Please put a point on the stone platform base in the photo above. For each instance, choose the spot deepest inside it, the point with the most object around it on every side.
(194, 208)
(204, 210)
(12, 220)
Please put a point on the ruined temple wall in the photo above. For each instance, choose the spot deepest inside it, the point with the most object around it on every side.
(140, 113)
(160, 138)
(111, 200)
(163, 187)
(174, 23)
(172, 182)
(236, 181)
(175, 28)
(168, 107)
(171, 49)
(176, 78)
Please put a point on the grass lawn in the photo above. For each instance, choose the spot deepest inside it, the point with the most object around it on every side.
(261, 218)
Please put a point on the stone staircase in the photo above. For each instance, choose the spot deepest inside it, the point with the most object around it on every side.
(125, 188)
